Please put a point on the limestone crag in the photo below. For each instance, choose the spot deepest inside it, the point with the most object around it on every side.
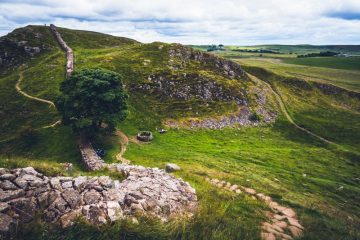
(189, 86)
(69, 51)
(180, 56)
(14, 49)
(149, 191)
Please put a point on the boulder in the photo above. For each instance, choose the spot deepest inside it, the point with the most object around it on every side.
(7, 185)
(6, 223)
(24, 207)
(92, 197)
(72, 197)
(172, 167)
(12, 194)
(114, 210)
(7, 176)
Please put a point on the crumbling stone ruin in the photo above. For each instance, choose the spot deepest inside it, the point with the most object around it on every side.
(150, 191)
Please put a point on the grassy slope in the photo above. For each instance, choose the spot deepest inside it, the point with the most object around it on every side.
(271, 159)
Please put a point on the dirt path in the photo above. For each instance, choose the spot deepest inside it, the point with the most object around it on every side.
(123, 141)
(286, 114)
(18, 89)
(50, 103)
(53, 124)
(282, 222)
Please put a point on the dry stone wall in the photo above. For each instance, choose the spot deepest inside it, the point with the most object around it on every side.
(69, 51)
(149, 191)
(90, 158)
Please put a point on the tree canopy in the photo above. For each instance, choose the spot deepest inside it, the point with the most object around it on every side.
(92, 97)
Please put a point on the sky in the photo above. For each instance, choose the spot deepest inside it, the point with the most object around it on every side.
(230, 22)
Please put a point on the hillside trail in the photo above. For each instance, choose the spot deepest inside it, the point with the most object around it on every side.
(19, 90)
(124, 142)
(286, 113)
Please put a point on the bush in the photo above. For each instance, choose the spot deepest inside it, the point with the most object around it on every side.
(255, 117)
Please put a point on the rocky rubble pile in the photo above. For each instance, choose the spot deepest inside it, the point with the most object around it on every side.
(24, 191)
(241, 118)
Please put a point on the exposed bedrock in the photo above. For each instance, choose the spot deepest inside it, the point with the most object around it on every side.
(149, 191)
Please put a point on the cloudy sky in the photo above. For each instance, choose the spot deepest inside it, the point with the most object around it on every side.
(241, 22)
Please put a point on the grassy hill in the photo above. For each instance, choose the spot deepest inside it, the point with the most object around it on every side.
(169, 81)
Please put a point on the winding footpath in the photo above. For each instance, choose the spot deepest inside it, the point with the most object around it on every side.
(286, 113)
(18, 89)
(124, 142)
(50, 103)
(282, 222)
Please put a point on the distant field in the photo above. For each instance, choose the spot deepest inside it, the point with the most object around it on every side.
(295, 49)
(351, 63)
(348, 79)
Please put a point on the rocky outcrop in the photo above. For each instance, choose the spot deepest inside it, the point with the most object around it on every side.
(189, 86)
(69, 51)
(181, 55)
(14, 50)
(150, 191)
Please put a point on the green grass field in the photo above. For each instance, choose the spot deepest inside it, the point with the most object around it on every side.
(351, 63)
(348, 79)
(319, 181)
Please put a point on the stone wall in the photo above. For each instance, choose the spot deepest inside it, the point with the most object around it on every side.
(90, 158)
(150, 191)
(69, 51)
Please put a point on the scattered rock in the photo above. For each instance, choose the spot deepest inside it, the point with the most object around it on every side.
(278, 227)
(172, 167)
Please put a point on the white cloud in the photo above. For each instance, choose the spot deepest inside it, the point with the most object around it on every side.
(197, 21)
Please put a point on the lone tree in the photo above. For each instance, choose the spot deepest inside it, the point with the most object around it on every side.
(92, 97)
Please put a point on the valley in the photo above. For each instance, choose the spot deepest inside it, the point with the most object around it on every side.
(297, 140)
